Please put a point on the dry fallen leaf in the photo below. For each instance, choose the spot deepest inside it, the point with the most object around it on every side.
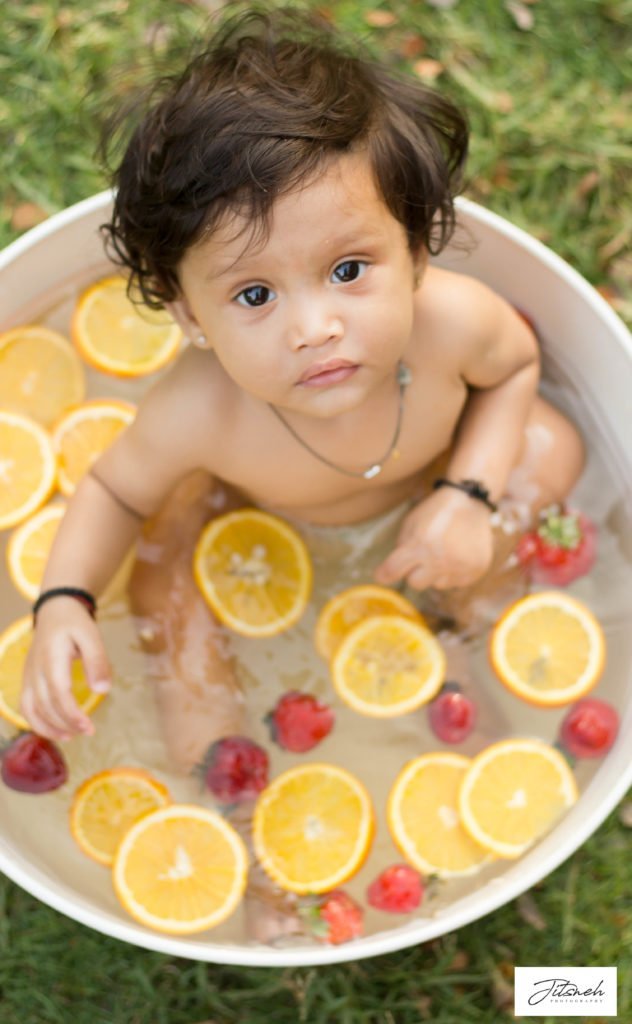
(502, 102)
(412, 45)
(502, 990)
(459, 961)
(587, 184)
(625, 814)
(428, 68)
(529, 912)
(380, 19)
(27, 215)
(522, 16)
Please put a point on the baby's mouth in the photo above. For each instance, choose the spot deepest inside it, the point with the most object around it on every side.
(334, 371)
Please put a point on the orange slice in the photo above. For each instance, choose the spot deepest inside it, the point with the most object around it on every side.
(254, 572)
(313, 827)
(548, 648)
(29, 546)
(388, 665)
(424, 820)
(513, 792)
(27, 467)
(40, 373)
(121, 337)
(343, 611)
(180, 869)
(83, 434)
(106, 806)
(14, 647)
(28, 549)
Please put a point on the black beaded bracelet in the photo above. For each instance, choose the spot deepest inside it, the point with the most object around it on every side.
(473, 488)
(84, 596)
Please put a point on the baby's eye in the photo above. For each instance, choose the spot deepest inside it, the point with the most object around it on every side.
(256, 295)
(349, 270)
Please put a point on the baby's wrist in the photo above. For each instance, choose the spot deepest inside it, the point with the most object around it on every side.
(472, 490)
(78, 594)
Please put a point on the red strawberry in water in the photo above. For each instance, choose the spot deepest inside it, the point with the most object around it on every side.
(589, 728)
(236, 769)
(335, 918)
(452, 715)
(33, 764)
(399, 889)
(299, 722)
(562, 548)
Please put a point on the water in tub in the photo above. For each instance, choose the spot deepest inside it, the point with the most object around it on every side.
(374, 750)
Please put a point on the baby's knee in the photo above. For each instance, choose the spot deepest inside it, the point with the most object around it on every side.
(557, 451)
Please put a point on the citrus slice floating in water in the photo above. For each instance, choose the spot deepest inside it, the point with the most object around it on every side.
(548, 648)
(254, 571)
(15, 642)
(120, 337)
(313, 827)
(388, 665)
(29, 546)
(343, 611)
(106, 806)
(40, 373)
(180, 869)
(513, 792)
(27, 467)
(84, 433)
(424, 820)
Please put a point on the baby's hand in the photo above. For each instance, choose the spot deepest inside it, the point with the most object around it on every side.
(65, 631)
(446, 541)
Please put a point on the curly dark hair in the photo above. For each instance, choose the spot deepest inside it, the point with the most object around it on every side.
(273, 96)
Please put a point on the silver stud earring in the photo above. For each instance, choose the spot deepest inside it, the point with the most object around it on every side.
(201, 341)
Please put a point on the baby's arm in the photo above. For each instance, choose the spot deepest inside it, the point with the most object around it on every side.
(447, 540)
(103, 518)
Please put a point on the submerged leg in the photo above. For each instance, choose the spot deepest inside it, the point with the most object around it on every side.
(190, 666)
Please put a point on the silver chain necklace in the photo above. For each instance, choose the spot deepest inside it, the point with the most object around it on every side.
(404, 378)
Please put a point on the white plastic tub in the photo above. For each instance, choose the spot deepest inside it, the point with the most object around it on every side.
(584, 342)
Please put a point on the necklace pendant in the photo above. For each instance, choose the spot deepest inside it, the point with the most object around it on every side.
(372, 471)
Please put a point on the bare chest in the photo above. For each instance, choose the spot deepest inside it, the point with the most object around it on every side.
(327, 478)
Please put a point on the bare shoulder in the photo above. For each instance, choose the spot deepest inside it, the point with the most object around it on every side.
(176, 425)
(471, 328)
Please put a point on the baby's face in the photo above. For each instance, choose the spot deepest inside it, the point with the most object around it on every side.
(316, 317)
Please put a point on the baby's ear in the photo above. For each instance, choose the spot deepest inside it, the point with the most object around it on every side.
(182, 314)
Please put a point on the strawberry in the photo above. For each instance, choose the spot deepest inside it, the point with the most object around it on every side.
(33, 764)
(298, 721)
(452, 715)
(562, 548)
(590, 728)
(398, 890)
(334, 918)
(235, 769)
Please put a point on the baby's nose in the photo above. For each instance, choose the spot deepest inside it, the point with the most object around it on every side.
(314, 325)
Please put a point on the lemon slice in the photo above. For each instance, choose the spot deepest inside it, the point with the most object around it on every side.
(120, 337)
(254, 571)
(40, 373)
(548, 648)
(513, 792)
(388, 665)
(27, 467)
(313, 827)
(424, 820)
(83, 434)
(180, 869)
(343, 611)
(107, 804)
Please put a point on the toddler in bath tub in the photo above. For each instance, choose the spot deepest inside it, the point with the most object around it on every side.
(281, 197)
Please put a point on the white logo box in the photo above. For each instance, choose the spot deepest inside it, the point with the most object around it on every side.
(565, 991)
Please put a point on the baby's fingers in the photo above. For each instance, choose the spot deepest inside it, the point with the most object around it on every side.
(397, 566)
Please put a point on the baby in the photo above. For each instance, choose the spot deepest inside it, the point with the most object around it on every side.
(281, 198)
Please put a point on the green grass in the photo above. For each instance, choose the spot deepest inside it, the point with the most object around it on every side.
(549, 151)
